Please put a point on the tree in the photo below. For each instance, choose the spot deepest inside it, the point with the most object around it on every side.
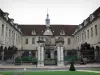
(72, 68)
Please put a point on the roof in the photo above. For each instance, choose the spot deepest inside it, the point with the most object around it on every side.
(39, 29)
(96, 15)
(97, 11)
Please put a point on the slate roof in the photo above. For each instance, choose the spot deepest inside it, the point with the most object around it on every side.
(39, 29)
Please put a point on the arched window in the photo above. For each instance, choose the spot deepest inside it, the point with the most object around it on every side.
(69, 41)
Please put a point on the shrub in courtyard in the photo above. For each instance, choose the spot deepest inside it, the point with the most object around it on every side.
(72, 68)
(17, 61)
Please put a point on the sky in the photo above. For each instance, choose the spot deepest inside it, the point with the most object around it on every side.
(67, 12)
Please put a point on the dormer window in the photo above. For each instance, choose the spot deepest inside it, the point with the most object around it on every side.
(62, 32)
(16, 25)
(6, 15)
(12, 21)
(75, 31)
(92, 17)
(19, 29)
(85, 22)
(80, 26)
(33, 32)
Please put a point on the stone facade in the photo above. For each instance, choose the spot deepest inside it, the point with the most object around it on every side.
(12, 34)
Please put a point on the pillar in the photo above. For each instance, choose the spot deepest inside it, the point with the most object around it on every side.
(38, 64)
(4, 36)
(79, 54)
(36, 54)
(42, 56)
(62, 56)
(95, 55)
(2, 55)
(58, 56)
(4, 42)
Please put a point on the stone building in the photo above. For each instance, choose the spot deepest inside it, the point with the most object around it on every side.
(48, 43)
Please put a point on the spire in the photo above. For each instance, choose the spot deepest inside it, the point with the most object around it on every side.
(47, 21)
(48, 30)
(47, 14)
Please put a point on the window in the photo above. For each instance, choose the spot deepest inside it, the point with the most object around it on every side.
(12, 38)
(69, 41)
(92, 17)
(91, 32)
(9, 33)
(12, 35)
(78, 38)
(87, 33)
(2, 30)
(85, 22)
(26, 41)
(62, 32)
(96, 30)
(82, 37)
(33, 40)
(16, 38)
(6, 31)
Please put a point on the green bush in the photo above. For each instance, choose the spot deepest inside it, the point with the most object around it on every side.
(72, 68)
(17, 60)
(26, 59)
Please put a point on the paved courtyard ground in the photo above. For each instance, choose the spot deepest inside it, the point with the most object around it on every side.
(11, 67)
(50, 66)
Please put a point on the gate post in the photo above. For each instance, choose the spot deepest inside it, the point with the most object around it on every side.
(60, 51)
(40, 51)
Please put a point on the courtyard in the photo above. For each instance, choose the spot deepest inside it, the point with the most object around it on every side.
(87, 69)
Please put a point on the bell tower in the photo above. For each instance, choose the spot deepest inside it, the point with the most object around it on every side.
(47, 30)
